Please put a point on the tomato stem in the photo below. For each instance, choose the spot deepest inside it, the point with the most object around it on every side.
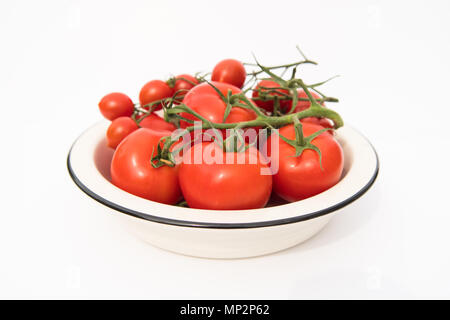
(173, 109)
(289, 65)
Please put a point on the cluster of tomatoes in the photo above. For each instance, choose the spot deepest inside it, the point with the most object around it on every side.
(308, 161)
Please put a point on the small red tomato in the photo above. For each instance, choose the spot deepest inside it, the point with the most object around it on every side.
(184, 82)
(229, 71)
(116, 105)
(154, 90)
(119, 129)
(301, 177)
(303, 105)
(268, 104)
(223, 185)
(132, 171)
(155, 122)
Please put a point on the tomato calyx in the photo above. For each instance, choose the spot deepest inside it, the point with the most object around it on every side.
(302, 143)
(142, 112)
(234, 100)
(163, 156)
(183, 204)
(234, 142)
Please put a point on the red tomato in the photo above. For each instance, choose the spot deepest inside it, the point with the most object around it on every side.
(182, 84)
(155, 122)
(324, 122)
(154, 90)
(229, 71)
(268, 104)
(132, 171)
(204, 100)
(301, 177)
(303, 105)
(116, 105)
(119, 129)
(224, 186)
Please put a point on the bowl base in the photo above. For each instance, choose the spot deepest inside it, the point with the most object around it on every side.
(223, 243)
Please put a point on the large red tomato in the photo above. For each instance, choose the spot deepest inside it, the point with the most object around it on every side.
(119, 129)
(302, 177)
(115, 105)
(224, 186)
(154, 90)
(324, 122)
(229, 71)
(132, 171)
(205, 100)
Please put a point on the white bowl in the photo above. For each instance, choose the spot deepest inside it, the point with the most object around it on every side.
(217, 233)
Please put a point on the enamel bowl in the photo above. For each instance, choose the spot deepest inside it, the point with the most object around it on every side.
(216, 233)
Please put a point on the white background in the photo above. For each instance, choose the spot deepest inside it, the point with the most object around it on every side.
(57, 59)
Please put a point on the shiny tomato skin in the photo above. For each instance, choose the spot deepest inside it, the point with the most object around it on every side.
(229, 71)
(132, 171)
(226, 186)
(182, 84)
(119, 129)
(303, 104)
(301, 177)
(155, 122)
(324, 122)
(154, 90)
(204, 100)
(268, 104)
(115, 105)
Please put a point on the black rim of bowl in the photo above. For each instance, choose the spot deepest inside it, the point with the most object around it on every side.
(215, 225)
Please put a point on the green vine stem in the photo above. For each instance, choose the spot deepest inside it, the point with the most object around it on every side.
(171, 81)
(173, 109)
(289, 65)
(261, 120)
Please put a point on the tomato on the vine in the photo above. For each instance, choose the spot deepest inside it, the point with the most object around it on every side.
(146, 163)
(155, 122)
(153, 91)
(132, 171)
(300, 177)
(115, 105)
(184, 82)
(221, 185)
(303, 105)
(229, 71)
(264, 86)
(205, 100)
(119, 129)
